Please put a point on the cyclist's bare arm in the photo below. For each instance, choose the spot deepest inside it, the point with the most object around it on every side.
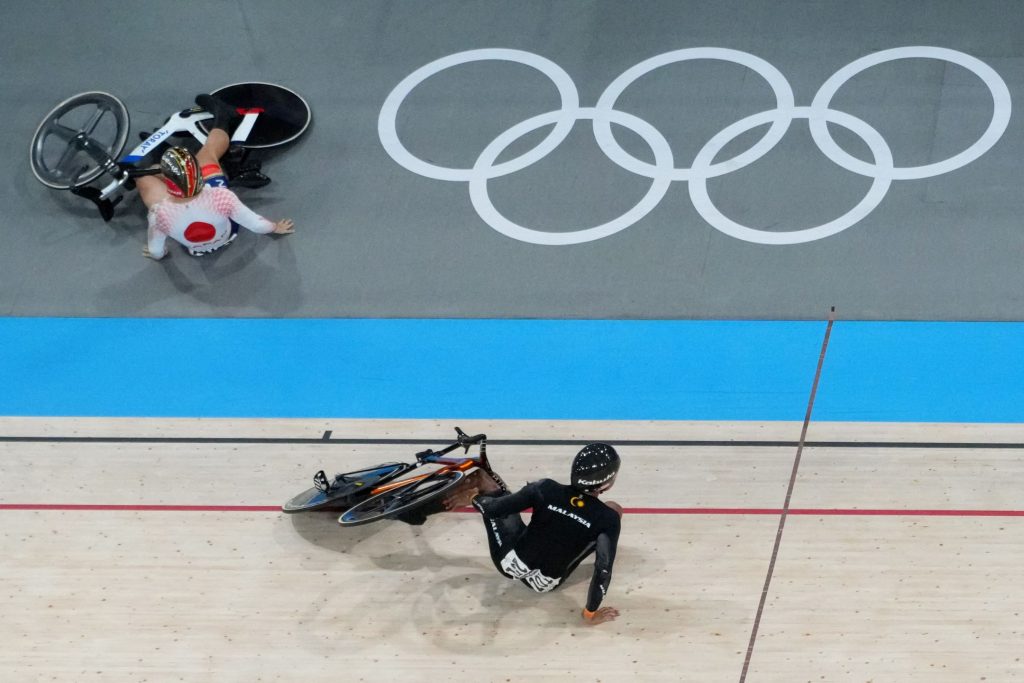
(156, 241)
(151, 190)
(246, 217)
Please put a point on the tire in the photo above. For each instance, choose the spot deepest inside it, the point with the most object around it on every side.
(403, 499)
(346, 489)
(55, 161)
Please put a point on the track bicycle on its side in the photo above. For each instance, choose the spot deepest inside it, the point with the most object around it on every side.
(81, 140)
(382, 491)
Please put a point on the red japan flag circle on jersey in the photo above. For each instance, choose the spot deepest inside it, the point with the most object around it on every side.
(200, 231)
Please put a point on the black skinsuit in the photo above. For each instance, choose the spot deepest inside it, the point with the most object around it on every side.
(565, 528)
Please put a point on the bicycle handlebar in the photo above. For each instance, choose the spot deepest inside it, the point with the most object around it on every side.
(462, 441)
(468, 441)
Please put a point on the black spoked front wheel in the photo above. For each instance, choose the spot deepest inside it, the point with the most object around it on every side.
(345, 489)
(402, 499)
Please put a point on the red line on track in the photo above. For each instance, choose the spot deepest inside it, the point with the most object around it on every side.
(810, 512)
(908, 513)
(140, 508)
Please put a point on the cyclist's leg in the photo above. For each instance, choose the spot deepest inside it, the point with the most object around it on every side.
(502, 535)
(216, 146)
(208, 156)
(218, 141)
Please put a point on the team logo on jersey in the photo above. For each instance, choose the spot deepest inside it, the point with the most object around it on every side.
(570, 515)
(576, 501)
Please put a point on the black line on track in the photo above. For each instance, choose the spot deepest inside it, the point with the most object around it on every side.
(789, 497)
(368, 441)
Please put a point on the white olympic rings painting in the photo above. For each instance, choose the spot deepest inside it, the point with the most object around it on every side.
(882, 170)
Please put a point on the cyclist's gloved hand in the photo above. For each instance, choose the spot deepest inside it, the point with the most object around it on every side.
(600, 616)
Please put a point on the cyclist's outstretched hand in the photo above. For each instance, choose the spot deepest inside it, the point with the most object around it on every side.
(600, 616)
(284, 227)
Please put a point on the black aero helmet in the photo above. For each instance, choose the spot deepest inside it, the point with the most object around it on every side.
(595, 465)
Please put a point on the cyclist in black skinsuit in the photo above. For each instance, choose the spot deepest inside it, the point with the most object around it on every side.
(568, 524)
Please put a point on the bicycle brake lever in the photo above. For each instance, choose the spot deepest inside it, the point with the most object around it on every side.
(463, 439)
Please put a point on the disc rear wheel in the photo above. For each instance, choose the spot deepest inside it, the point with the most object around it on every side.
(283, 114)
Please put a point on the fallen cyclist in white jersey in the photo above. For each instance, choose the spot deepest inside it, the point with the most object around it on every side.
(191, 203)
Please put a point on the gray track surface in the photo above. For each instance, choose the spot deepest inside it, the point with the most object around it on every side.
(376, 240)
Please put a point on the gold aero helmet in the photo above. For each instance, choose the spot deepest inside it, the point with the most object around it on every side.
(182, 173)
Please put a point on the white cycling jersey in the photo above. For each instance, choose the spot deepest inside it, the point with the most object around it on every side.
(203, 223)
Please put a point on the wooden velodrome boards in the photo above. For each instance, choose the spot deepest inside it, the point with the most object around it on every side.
(153, 550)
